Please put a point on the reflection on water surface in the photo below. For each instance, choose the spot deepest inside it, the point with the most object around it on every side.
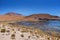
(53, 25)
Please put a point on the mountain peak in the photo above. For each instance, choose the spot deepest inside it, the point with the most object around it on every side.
(12, 13)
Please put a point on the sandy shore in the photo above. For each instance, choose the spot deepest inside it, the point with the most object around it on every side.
(19, 32)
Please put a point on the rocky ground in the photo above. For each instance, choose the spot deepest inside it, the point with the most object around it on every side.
(20, 32)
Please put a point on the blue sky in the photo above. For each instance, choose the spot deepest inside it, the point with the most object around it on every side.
(27, 7)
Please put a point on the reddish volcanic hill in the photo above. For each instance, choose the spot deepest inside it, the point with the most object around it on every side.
(11, 17)
(41, 16)
(18, 17)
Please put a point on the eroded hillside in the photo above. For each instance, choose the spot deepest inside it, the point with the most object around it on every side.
(12, 16)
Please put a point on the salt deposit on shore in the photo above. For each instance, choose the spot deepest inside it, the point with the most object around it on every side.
(9, 32)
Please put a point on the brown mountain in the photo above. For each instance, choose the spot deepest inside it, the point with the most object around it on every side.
(15, 17)
(11, 17)
(42, 17)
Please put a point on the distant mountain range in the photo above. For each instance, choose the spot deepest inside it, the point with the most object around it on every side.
(34, 17)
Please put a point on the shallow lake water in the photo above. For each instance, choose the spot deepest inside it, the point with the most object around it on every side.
(53, 25)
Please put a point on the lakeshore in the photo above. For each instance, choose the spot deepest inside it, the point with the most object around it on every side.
(10, 31)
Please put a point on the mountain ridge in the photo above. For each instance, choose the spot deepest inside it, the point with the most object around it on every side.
(15, 16)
